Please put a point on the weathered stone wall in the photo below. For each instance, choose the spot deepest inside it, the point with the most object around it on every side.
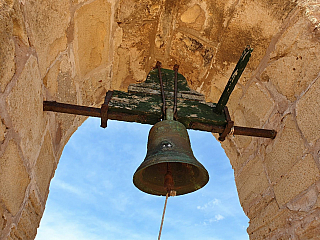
(74, 51)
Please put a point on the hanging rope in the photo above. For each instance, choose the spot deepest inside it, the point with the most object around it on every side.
(164, 211)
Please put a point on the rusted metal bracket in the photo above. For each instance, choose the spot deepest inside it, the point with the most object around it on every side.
(228, 127)
(235, 76)
(175, 69)
(104, 109)
(158, 66)
(244, 131)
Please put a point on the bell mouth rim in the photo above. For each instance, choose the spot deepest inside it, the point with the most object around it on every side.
(161, 191)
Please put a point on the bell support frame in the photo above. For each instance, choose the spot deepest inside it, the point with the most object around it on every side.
(143, 103)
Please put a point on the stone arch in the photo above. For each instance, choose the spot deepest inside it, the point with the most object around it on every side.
(74, 51)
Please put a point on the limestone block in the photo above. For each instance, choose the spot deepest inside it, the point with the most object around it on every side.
(241, 119)
(194, 17)
(257, 101)
(305, 202)
(309, 227)
(231, 152)
(59, 81)
(296, 60)
(7, 48)
(92, 33)
(307, 113)
(66, 89)
(233, 101)
(128, 68)
(299, 178)
(278, 222)
(251, 183)
(268, 214)
(286, 150)
(273, 226)
(48, 22)
(19, 28)
(25, 108)
(29, 220)
(14, 178)
(64, 123)
(191, 14)
(50, 80)
(253, 111)
(45, 166)
(260, 203)
(292, 74)
(94, 88)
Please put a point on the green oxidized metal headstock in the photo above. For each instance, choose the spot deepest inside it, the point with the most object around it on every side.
(144, 99)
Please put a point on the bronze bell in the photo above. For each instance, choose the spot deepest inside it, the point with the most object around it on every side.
(169, 163)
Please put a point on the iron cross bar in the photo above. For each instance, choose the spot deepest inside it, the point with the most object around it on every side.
(142, 118)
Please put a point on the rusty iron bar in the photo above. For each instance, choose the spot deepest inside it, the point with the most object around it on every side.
(245, 131)
(175, 68)
(96, 112)
(236, 74)
(93, 112)
(104, 109)
(71, 109)
(158, 66)
(228, 127)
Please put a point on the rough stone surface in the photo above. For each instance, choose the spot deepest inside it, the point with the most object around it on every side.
(92, 35)
(251, 182)
(29, 220)
(45, 166)
(306, 202)
(7, 47)
(191, 15)
(25, 108)
(299, 178)
(307, 115)
(295, 62)
(47, 22)
(75, 51)
(282, 155)
(14, 178)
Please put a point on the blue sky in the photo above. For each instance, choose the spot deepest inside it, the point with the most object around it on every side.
(92, 195)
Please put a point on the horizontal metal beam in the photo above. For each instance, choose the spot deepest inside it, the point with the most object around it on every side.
(245, 131)
(142, 118)
(94, 112)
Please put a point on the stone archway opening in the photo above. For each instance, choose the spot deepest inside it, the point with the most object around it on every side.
(92, 194)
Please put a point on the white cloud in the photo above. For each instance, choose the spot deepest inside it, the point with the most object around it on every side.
(218, 217)
(210, 204)
(68, 187)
